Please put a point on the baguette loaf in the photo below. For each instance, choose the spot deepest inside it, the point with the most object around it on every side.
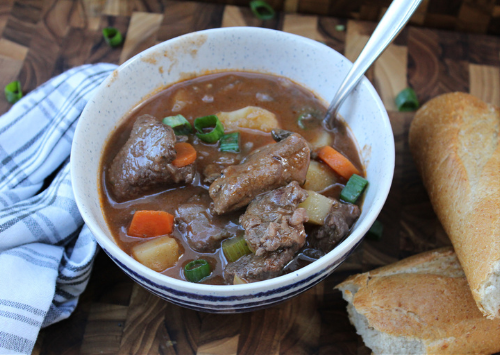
(454, 139)
(420, 305)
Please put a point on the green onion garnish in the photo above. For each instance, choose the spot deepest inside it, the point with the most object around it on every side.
(179, 123)
(203, 123)
(309, 119)
(235, 248)
(230, 142)
(197, 270)
(407, 100)
(340, 28)
(262, 10)
(112, 36)
(353, 189)
(375, 232)
(13, 92)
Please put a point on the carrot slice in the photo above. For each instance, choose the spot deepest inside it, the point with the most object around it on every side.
(146, 224)
(186, 154)
(340, 164)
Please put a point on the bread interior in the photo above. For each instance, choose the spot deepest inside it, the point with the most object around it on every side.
(441, 262)
(490, 292)
(380, 343)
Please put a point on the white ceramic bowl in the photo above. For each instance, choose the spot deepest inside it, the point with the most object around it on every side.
(305, 61)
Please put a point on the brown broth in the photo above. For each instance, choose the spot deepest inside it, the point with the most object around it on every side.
(206, 95)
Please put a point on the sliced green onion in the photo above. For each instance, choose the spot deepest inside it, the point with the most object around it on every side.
(309, 119)
(340, 28)
(230, 142)
(205, 122)
(112, 36)
(375, 232)
(197, 270)
(262, 10)
(407, 100)
(353, 189)
(235, 248)
(13, 92)
(179, 123)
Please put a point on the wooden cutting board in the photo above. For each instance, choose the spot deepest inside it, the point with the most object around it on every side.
(40, 39)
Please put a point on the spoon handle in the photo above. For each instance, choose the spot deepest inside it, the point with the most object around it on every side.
(393, 21)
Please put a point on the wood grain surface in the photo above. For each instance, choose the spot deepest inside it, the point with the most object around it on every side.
(40, 39)
(473, 16)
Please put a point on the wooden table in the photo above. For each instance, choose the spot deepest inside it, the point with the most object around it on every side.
(42, 39)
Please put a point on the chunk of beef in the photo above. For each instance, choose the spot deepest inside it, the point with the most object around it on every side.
(253, 268)
(337, 225)
(274, 229)
(144, 161)
(279, 134)
(202, 230)
(266, 169)
(213, 171)
(272, 221)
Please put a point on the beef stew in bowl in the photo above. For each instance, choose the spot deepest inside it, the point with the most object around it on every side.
(229, 178)
(301, 60)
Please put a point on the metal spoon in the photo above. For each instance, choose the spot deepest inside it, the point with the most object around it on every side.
(393, 21)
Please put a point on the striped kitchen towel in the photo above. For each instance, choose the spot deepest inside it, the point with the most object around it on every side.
(46, 252)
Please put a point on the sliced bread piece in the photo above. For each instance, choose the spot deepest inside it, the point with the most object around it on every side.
(455, 141)
(419, 305)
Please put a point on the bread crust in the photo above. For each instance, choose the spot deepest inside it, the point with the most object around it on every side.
(413, 300)
(454, 139)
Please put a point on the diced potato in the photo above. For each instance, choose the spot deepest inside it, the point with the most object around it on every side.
(157, 254)
(321, 140)
(238, 280)
(319, 177)
(249, 117)
(317, 207)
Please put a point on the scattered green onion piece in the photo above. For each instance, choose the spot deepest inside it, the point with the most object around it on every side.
(179, 123)
(197, 270)
(234, 248)
(230, 142)
(205, 122)
(407, 100)
(13, 92)
(353, 189)
(375, 232)
(340, 28)
(112, 36)
(262, 10)
(309, 119)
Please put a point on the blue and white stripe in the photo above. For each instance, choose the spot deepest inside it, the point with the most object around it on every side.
(46, 252)
(233, 303)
